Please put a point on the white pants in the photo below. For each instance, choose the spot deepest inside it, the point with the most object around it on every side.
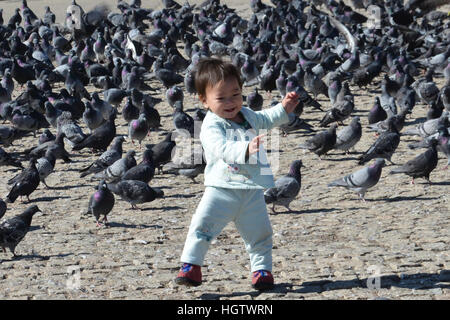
(219, 206)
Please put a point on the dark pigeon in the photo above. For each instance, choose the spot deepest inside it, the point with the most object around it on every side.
(135, 192)
(101, 203)
(13, 230)
(422, 165)
(321, 142)
(144, 171)
(24, 183)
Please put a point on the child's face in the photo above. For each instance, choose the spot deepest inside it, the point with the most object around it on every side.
(224, 99)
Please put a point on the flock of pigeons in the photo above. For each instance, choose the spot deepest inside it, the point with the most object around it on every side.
(284, 46)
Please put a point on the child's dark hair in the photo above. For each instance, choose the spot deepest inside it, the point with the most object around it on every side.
(211, 71)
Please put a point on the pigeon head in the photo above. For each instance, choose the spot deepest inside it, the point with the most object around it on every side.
(379, 162)
(30, 211)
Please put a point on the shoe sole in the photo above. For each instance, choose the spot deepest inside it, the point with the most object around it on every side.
(263, 286)
(187, 282)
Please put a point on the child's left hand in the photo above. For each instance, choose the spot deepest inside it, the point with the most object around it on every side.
(290, 101)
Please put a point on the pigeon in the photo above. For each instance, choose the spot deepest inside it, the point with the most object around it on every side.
(103, 106)
(152, 115)
(314, 84)
(101, 203)
(422, 165)
(13, 230)
(384, 146)
(144, 171)
(255, 100)
(349, 136)
(115, 96)
(72, 131)
(286, 187)
(135, 192)
(46, 164)
(361, 180)
(115, 171)
(138, 129)
(101, 137)
(130, 111)
(3, 208)
(174, 94)
(426, 89)
(190, 165)
(429, 127)
(321, 142)
(9, 134)
(24, 183)
(60, 152)
(92, 117)
(8, 160)
(340, 111)
(444, 143)
(162, 151)
(46, 136)
(294, 124)
(398, 120)
(168, 78)
(182, 121)
(106, 159)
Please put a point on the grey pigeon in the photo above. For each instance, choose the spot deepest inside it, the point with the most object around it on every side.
(46, 136)
(429, 127)
(72, 131)
(340, 111)
(24, 183)
(135, 192)
(314, 84)
(46, 164)
(92, 117)
(9, 134)
(321, 142)
(130, 111)
(361, 180)
(349, 136)
(101, 203)
(8, 160)
(13, 230)
(3, 208)
(182, 121)
(422, 165)
(115, 96)
(384, 146)
(115, 171)
(103, 106)
(286, 187)
(445, 97)
(106, 159)
(138, 129)
(189, 166)
(426, 89)
(398, 120)
(174, 94)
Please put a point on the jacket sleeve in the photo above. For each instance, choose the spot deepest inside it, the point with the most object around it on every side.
(219, 143)
(270, 118)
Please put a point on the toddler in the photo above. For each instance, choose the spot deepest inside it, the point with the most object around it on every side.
(236, 173)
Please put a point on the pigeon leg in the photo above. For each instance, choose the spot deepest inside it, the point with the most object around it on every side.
(445, 168)
(273, 208)
(412, 181)
(45, 184)
(134, 207)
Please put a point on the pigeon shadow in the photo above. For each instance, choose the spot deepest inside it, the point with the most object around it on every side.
(440, 183)
(163, 208)
(69, 187)
(47, 199)
(181, 196)
(340, 159)
(35, 256)
(402, 198)
(133, 226)
(309, 211)
(419, 281)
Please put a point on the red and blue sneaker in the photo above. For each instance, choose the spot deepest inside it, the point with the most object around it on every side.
(189, 275)
(262, 280)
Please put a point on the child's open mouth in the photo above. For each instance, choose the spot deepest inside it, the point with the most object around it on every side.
(230, 110)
